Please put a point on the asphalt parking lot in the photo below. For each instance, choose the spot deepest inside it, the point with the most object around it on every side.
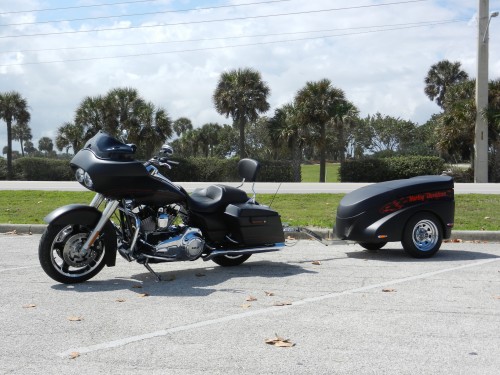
(340, 309)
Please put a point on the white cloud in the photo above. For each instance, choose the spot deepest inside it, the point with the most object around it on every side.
(379, 71)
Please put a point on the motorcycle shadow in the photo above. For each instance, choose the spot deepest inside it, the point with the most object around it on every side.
(191, 282)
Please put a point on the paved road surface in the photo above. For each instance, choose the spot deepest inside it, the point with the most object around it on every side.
(353, 312)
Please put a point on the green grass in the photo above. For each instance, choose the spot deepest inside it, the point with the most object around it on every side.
(310, 173)
(31, 206)
(472, 211)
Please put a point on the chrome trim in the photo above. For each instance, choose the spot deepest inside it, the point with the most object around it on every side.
(97, 200)
(106, 215)
(128, 212)
(254, 250)
(165, 259)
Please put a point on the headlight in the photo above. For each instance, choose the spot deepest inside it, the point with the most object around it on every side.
(83, 178)
(80, 175)
(87, 180)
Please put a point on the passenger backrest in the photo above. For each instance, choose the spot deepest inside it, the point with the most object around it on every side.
(248, 169)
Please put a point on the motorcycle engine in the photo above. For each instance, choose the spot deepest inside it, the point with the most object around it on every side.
(187, 245)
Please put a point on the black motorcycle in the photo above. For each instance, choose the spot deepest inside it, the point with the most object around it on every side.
(147, 218)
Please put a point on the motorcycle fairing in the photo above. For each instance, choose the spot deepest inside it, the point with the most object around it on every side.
(125, 179)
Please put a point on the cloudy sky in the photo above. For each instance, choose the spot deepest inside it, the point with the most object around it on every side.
(56, 52)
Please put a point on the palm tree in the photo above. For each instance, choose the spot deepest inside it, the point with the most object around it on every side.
(70, 135)
(209, 136)
(91, 116)
(21, 132)
(440, 77)
(13, 107)
(46, 144)
(182, 125)
(242, 95)
(154, 128)
(458, 121)
(285, 126)
(192, 142)
(342, 124)
(29, 148)
(456, 125)
(123, 107)
(317, 104)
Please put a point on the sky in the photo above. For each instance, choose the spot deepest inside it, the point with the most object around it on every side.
(57, 52)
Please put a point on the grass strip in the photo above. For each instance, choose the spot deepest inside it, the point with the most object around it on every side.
(472, 211)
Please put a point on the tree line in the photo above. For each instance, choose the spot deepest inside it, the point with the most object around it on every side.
(320, 123)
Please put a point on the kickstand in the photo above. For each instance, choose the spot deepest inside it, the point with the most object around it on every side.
(158, 277)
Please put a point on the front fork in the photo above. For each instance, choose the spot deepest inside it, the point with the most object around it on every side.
(97, 200)
(108, 211)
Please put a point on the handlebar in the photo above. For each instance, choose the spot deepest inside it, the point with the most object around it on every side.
(161, 162)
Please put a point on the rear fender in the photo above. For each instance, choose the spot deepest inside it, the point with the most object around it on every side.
(89, 216)
(393, 224)
(371, 227)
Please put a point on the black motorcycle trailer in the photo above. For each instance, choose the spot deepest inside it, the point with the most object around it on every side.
(418, 211)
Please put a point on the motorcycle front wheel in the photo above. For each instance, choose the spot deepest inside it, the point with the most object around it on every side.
(60, 256)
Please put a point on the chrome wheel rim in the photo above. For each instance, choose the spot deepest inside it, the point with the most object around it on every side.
(425, 235)
(66, 257)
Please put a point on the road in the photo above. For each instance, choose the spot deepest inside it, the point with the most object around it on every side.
(260, 187)
(345, 310)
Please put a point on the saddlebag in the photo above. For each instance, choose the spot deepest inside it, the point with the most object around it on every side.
(252, 224)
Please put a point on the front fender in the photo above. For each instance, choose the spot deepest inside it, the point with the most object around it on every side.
(73, 214)
(81, 214)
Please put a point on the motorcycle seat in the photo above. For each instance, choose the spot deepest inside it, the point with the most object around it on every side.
(215, 198)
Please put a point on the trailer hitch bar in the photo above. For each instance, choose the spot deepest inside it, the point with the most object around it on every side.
(315, 236)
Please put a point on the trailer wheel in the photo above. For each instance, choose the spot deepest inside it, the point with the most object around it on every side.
(372, 245)
(422, 235)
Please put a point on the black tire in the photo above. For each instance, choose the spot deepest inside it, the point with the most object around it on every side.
(230, 260)
(423, 235)
(58, 255)
(372, 246)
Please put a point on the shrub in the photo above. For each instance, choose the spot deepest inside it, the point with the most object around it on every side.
(385, 169)
(3, 169)
(225, 170)
(188, 170)
(42, 169)
(460, 174)
(275, 171)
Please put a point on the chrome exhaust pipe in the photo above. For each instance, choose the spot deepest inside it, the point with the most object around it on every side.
(254, 250)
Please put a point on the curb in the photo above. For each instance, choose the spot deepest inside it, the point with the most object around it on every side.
(22, 228)
(462, 235)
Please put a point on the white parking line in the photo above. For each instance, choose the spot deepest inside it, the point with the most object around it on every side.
(127, 340)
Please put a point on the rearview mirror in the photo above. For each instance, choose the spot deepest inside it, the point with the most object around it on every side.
(167, 150)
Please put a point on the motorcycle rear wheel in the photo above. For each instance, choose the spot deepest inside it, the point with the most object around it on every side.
(60, 258)
(230, 260)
